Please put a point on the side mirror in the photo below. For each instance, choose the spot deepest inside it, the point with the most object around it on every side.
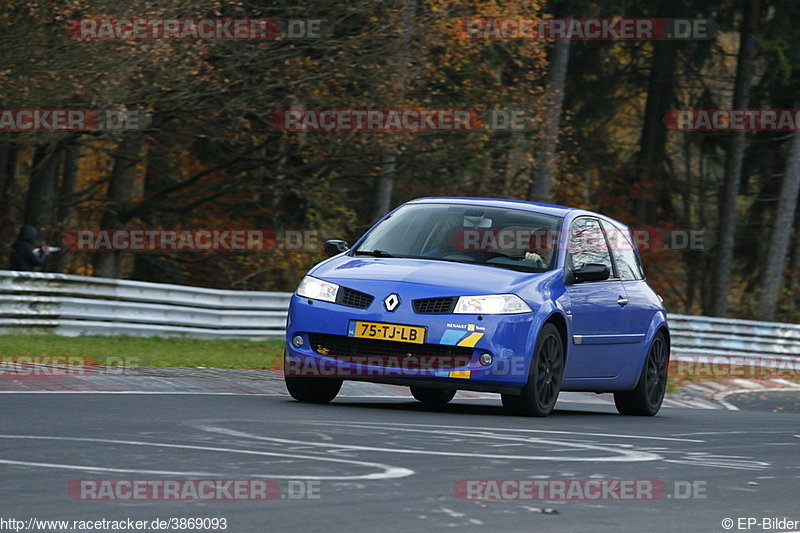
(331, 248)
(591, 272)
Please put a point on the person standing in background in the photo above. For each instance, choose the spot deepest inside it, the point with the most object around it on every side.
(23, 256)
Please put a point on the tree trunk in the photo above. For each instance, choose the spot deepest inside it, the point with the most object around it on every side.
(795, 279)
(159, 165)
(518, 166)
(6, 157)
(121, 188)
(733, 164)
(384, 186)
(384, 183)
(42, 188)
(8, 175)
(539, 190)
(779, 242)
(650, 164)
(66, 200)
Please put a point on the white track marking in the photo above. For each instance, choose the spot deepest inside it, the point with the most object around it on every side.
(747, 384)
(438, 427)
(738, 462)
(781, 381)
(619, 455)
(699, 388)
(105, 469)
(389, 472)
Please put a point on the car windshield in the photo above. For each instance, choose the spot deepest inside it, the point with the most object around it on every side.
(490, 236)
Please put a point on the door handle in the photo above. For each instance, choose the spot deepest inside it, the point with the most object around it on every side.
(622, 301)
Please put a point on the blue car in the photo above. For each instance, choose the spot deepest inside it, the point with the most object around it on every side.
(517, 298)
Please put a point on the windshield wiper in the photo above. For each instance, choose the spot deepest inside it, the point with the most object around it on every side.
(517, 268)
(373, 253)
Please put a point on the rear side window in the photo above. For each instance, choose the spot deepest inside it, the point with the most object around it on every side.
(587, 245)
(622, 250)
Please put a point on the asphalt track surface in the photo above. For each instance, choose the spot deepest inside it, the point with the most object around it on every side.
(786, 401)
(391, 464)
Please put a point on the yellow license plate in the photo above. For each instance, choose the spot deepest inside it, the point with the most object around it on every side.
(388, 332)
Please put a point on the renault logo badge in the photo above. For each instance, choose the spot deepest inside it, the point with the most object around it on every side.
(391, 302)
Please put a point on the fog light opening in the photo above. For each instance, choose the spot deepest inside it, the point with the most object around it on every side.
(297, 341)
(485, 359)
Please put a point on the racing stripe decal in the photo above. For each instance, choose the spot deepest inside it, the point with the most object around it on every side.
(451, 337)
(470, 341)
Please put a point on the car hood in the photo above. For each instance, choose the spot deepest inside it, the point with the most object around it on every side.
(448, 277)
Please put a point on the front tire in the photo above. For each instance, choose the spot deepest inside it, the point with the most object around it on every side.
(429, 396)
(313, 390)
(540, 393)
(647, 397)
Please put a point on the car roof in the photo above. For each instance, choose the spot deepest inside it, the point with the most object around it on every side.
(548, 209)
(536, 207)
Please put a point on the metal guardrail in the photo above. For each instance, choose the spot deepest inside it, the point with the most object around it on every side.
(743, 342)
(32, 302)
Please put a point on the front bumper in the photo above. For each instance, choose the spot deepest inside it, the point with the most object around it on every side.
(449, 355)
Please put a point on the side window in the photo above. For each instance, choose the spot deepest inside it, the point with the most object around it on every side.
(586, 244)
(622, 250)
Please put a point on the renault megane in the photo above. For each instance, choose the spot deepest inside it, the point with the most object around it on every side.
(517, 298)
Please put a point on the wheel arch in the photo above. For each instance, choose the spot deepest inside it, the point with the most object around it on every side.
(665, 330)
(660, 328)
(561, 323)
(558, 320)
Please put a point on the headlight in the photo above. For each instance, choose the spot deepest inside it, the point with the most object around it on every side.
(492, 304)
(316, 289)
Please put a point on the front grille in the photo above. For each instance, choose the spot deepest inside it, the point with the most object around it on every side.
(353, 298)
(391, 352)
(435, 306)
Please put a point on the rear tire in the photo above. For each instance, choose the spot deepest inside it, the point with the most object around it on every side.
(313, 390)
(430, 396)
(539, 395)
(647, 397)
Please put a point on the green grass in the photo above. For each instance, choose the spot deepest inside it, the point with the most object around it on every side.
(150, 351)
